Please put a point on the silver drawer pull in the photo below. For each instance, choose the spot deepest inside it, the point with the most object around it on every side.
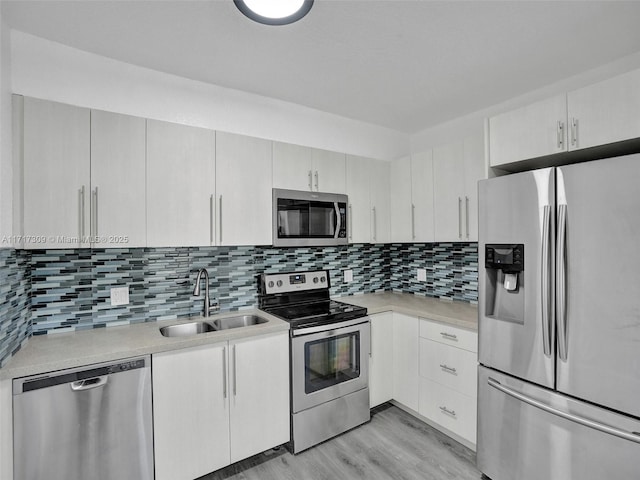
(449, 335)
(447, 411)
(449, 369)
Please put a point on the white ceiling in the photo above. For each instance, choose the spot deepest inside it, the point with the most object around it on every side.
(405, 65)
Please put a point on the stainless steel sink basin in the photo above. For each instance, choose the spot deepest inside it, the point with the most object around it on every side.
(238, 321)
(186, 329)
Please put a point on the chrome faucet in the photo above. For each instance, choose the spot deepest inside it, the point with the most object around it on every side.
(196, 291)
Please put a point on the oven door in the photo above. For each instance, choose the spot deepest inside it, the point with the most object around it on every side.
(329, 364)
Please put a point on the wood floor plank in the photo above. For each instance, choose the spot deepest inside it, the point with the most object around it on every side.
(393, 445)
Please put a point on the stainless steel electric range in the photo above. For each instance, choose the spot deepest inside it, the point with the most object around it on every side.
(329, 355)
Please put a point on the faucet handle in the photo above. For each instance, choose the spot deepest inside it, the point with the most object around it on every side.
(214, 306)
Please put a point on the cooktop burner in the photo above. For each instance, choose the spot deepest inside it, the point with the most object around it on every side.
(317, 313)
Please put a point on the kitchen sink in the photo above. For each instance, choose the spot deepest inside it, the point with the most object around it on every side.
(238, 321)
(194, 328)
(186, 329)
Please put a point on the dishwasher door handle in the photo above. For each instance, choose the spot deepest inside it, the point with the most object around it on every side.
(89, 383)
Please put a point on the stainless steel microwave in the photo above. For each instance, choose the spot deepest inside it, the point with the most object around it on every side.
(303, 218)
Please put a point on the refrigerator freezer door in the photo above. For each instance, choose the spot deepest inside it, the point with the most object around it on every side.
(599, 289)
(516, 321)
(543, 434)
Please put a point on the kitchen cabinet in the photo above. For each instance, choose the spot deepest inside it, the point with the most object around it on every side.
(605, 112)
(448, 385)
(457, 167)
(358, 190)
(532, 131)
(220, 403)
(118, 203)
(405, 360)
(244, 196)
(400, 200)
(381, 370)
(56, 174)
(379, 195)
(422, 209)
(296, 167)
(180, 185)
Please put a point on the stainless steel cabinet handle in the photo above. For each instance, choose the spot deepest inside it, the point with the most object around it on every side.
(350, 222)
(413, 221)
(81, 214)
(574, 132)
(631, 436)
(561, 300)
(224, 372)
(94, 214)
(448, 369)
(560, 134)
(220, 217)
(544, 278)
(317, 182)
(211, 209)
(466, 217)
(450, 336)
(447, 411)
(235, 372)
(459, 217)
(375, 225)
(310, 180)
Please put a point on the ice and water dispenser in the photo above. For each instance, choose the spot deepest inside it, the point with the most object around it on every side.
(504, 270)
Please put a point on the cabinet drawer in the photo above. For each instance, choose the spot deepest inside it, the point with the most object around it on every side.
(449, 366)
(449, 335)
(448, 408)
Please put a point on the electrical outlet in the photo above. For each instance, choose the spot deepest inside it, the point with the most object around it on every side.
(422, 275)
(119, 296)
(348, 276)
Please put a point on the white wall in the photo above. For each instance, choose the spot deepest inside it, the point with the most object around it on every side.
(49, 70)
(474, 123)
(6, 217)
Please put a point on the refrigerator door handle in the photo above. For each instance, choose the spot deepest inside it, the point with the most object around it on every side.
(631, 436)
(546, 330)
(561, 266)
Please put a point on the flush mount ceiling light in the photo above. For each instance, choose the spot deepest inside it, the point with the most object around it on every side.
(274, 12)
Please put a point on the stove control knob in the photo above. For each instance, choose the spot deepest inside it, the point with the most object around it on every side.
(322, 279)
(279, 283)
(315, 279)
(271, 284)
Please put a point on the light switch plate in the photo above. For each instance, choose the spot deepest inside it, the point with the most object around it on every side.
(119, 296)
(348, 276)
(422, 275)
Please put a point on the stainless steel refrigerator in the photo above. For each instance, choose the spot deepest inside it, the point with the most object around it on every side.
(559, 323)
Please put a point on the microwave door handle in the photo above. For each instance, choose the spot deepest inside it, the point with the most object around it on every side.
(338, 219)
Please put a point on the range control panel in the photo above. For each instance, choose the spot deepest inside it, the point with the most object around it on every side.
(295, 281)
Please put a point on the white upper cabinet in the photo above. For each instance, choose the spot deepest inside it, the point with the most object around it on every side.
(533, 131)
(400, 200)
(56, 169)
(304, 168)
(457, 167)
(380, 207)
(118, 217)
(358, 191)
(422, 212)
(605, 112)
(243, 188)
(180, 185)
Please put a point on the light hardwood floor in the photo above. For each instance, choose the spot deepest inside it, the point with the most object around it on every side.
(394, 445)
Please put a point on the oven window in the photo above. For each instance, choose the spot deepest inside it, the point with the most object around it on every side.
(330, 361)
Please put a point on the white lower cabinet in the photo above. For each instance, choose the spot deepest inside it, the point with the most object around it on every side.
(405, 360)
(381, 371)
(217, 404)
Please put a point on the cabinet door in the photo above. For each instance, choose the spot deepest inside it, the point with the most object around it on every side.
(529, 132)
(292, 167)
(405, 360)
(400, 200)
(422, 196)
(606, 112)
(381, 371)
(329, 171)
(118, 180)
(379, 194)
(56, 162)
(180, 185)
(243, 186)
(474, 170)
(190, 412)
(259, 383)
(448, 192)
(358, 187)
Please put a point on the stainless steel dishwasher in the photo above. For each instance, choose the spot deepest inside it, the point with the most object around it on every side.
(90, 423)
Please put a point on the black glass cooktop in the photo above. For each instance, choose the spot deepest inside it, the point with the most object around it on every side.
(323, 312)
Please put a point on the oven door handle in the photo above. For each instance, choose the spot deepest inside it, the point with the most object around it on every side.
(331, 328)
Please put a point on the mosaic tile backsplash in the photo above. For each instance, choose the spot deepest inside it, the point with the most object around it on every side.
(47, 291)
